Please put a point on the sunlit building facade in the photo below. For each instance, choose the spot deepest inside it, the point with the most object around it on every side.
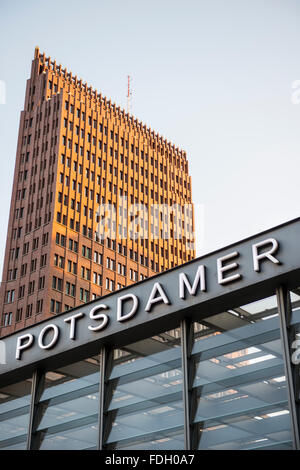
(99, 200)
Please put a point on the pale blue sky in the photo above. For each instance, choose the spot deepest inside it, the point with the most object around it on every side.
(213, 76)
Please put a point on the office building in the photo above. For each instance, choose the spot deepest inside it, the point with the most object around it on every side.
(99, 201)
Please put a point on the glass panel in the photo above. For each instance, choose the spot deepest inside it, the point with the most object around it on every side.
(295, 300)
(67, 414)
(239, 382)
(144, 403)
(295, 338)
(14, 415)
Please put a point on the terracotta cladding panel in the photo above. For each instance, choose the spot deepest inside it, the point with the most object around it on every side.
(89, 152)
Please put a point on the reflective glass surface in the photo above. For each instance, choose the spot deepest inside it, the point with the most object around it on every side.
(144, 400)
(14, 415)
(239, 382)
(67, 414)
(295, 338)
(295, 302)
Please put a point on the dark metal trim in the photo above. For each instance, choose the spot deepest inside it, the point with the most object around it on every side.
(284, 310)
(185, 391)
(103, 360)
(37, 380)
(187, 329)
(33, 392)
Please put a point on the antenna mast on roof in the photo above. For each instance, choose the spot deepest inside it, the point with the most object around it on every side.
(129, 94)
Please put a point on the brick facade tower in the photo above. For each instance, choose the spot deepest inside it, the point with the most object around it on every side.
(99, 200)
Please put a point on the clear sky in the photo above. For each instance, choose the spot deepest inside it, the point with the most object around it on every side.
(213, 76)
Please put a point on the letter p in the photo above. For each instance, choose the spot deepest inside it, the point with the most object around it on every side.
(23, 344)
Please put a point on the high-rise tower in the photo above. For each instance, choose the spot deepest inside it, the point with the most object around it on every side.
(99, 200)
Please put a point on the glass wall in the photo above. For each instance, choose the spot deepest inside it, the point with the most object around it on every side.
(295, 305)
(14, 415)
(237, 395)
(67, 414)
(144, 396)
(239, 381)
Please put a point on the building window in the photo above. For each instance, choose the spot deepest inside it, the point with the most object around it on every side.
(21, 291)
(39, 306)
(19, 314)
(28, 312)
(43, 260)
(73, 245)
(84, 295)
(56, 283)
(97, 279)
(70, 289)
(41, 282)
(85, 273)
(35, 244)
(98, 257)
(133, 275)
(109, 284)
(33, 265)
(9, 296)
(7, 319)
(31, 287)
(55, 306)
(86, 252)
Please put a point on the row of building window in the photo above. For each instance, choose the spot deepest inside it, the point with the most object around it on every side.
(80, 114)
(15, 252)
(57, 283)
(113, 188)
(182, 182)
(173, 219)
(45, 145)
(26, 246)
(123, 176)
(12, 273)
(88, 232)
(8, 317)
(55, 306)
(87, 252)
(67, 142)
(72, 268)
(84, 294)
(182, 231)
(114, 136)
(37, 221)
(59, 261)
(21, 193)
(31, 287)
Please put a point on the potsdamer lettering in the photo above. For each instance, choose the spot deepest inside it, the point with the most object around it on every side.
(129, 305)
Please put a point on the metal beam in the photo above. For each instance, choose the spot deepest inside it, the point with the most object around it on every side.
(103, 358)
(187, 334)
(36, 390)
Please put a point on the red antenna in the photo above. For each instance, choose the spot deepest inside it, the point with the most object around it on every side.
(129, 94)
